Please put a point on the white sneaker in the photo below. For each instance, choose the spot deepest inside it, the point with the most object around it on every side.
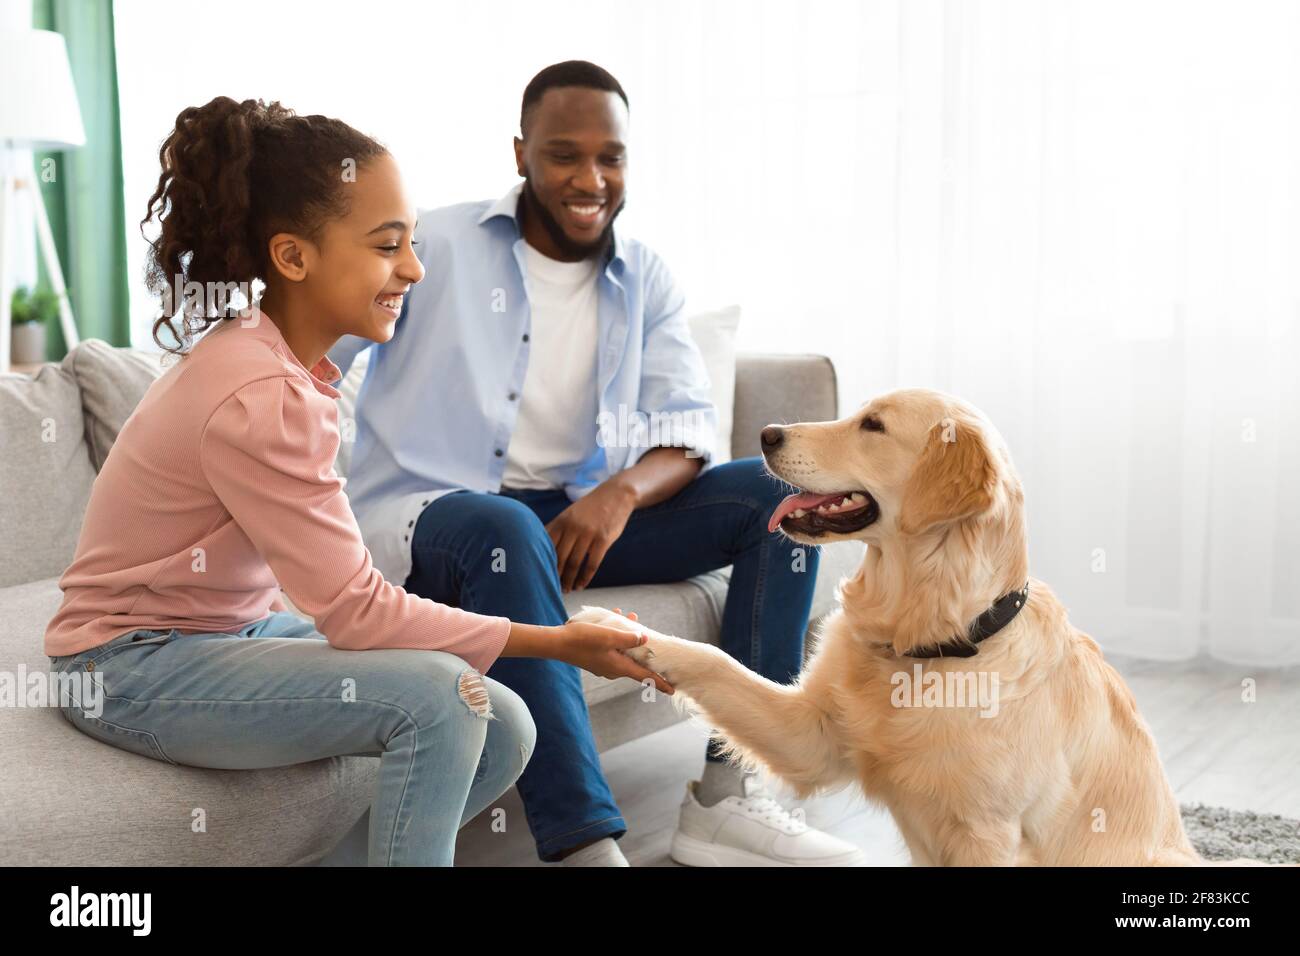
(753, 830)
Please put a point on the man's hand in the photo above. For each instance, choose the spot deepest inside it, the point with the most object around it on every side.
(585, 530)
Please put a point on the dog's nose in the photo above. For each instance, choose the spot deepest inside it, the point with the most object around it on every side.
(772, 437)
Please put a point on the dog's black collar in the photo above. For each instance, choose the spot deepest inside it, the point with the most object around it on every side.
(1002, 613)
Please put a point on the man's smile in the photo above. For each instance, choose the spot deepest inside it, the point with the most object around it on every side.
(585, 214)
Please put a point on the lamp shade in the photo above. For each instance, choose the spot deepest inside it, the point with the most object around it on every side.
(38, 105)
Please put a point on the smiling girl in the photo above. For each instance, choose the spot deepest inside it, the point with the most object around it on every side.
(220, 490)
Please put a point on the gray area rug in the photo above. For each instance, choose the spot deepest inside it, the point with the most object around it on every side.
(1222, 834)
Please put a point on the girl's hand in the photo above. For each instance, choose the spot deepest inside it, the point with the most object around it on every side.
(599, 649)
(593, 647)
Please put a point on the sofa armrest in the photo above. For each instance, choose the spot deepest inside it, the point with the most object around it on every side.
(774, 388)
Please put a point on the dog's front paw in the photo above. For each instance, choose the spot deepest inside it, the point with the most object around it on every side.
(679, 662)
(651, 655)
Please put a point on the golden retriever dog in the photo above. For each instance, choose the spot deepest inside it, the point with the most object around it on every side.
(994, 737)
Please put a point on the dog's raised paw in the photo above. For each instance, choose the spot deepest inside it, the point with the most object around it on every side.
(644, 655)
(660, 652)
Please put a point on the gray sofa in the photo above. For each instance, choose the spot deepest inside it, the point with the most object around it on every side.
(66, 799)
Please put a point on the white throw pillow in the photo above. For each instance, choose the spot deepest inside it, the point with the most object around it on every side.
(348, 390)
(715, 334)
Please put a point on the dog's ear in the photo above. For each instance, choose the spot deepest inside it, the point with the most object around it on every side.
(955, 477)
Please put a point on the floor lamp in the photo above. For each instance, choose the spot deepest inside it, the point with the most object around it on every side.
(38, 110)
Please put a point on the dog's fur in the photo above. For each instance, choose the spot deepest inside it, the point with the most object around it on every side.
(1065, 773)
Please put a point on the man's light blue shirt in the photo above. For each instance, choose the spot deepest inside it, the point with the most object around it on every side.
(438, 405)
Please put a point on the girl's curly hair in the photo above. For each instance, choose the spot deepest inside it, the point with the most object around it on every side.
(233, 175)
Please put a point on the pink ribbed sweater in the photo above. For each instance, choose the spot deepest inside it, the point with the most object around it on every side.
(219, 491)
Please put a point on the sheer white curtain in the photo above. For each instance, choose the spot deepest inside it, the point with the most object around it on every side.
(1098, 243)
(1081, 216)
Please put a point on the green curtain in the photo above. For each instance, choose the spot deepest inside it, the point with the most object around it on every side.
(85, 201)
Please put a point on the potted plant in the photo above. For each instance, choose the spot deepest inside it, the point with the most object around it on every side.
(30, 313)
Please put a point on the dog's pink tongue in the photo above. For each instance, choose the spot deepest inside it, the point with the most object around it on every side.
(805, 500)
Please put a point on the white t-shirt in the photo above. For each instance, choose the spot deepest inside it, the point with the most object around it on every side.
(558, 406)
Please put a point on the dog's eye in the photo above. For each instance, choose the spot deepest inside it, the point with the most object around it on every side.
(872, 424)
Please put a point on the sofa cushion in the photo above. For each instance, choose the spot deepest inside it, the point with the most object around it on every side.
(45, 473)
(112, 382)
(69, 800)
(715, 334)
(780, 389)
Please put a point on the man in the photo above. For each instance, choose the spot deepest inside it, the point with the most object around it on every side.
(540, 422)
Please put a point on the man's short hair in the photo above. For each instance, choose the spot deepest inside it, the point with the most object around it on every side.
(569, 73)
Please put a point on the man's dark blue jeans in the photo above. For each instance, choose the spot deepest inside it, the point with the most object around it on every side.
(490, 553)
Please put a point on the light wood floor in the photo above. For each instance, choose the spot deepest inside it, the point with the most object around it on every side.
(1216, 749)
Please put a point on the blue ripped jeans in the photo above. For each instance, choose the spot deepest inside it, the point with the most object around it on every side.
(719, 519)
(276, 693)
